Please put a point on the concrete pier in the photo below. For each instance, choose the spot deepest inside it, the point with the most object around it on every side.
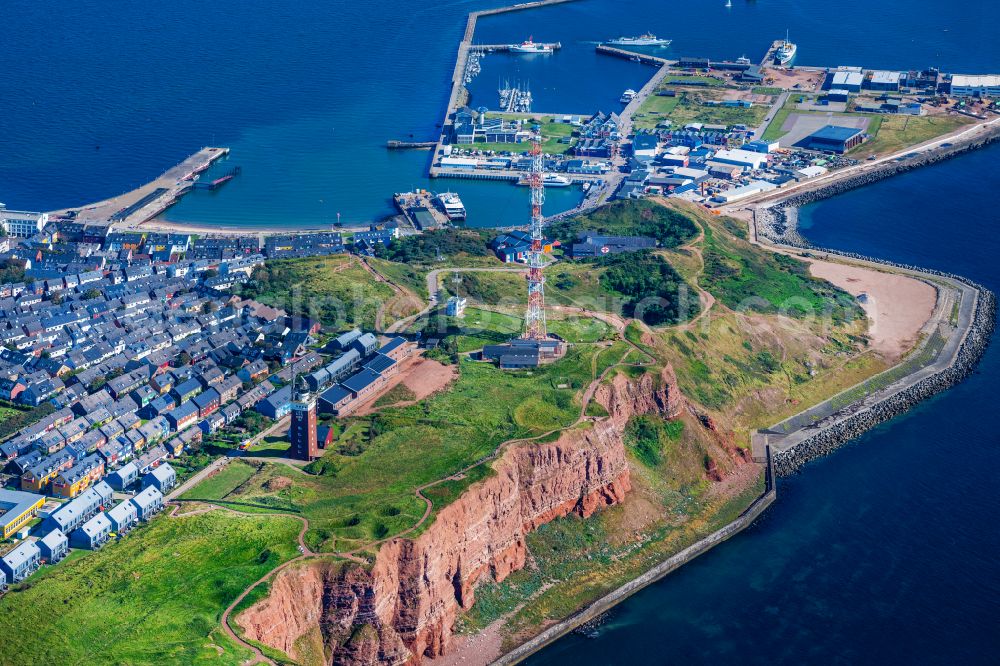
(465, 46)
(131, 209)
(631, 55)
(768, 58)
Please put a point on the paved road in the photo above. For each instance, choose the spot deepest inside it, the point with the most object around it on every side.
(434, 288)
(759, 131)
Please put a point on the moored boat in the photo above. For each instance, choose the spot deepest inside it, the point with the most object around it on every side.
(452, 205)
(530, 46)
(786, 51)
(648, 39)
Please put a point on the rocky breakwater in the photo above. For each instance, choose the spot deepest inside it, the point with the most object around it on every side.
(405, 605)
(827, 439)
(778, 221)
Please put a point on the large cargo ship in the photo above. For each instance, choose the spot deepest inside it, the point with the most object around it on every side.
(648, 39)
(529, 46)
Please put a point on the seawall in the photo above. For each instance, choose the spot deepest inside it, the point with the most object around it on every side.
(774, 225)
(781, 224)
(674, 562)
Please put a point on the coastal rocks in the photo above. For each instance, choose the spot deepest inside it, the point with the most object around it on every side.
(827, 440)
(778, 222)
(404, 608)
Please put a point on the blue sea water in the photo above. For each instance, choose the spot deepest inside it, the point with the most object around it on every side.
(102, 96)
(883, 552)
(886, 551)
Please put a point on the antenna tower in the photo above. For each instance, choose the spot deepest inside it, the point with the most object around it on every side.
(534, 320)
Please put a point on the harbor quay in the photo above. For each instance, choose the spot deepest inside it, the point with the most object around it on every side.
(132, 208)
(711, 132)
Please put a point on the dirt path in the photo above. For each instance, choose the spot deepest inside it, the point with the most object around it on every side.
(618, 323)
(402, 294)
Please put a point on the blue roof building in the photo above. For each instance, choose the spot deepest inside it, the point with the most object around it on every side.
(833, 138)
(53, 546)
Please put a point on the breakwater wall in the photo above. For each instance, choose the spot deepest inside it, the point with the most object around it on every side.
(612, 599)
(776, 224)
(971, 350)
(780, 223)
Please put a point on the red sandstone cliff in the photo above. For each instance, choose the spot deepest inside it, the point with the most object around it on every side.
(406, 606)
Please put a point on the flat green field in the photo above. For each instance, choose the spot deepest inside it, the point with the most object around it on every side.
(689, 79)
(490, 327)
(687, 107)
(896, 132)
(223, 482)
(567, 283)
(155, 597)
(551, 133)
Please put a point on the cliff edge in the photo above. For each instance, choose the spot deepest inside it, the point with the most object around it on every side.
(405, 606)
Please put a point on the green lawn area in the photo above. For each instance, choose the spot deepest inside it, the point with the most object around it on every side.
(333, 289)
(687, 107)
(566, 283)
(484, 327)
(552, 131)
(223, 482)
(896, 132)
(155, 597)
(692, 79)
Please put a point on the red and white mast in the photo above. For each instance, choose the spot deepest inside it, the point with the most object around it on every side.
(534, 320)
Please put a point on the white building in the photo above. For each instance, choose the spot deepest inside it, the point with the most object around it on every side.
(810, 172)
(22, 223)
(848, 80)
(744, 158)
(963, 85)
(885, 80)
(735, 194)
(455, 307)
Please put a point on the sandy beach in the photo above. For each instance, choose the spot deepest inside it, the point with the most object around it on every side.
(897, 306)
(205, 230)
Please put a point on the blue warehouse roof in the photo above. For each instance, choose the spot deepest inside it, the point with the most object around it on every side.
(835, 133)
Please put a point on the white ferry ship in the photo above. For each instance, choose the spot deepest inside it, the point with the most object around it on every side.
(786, 51)
(647, 39)
(452, 205)
(529, 46)
(628, 96)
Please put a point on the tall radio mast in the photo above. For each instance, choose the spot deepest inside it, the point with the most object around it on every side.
(534, 320)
